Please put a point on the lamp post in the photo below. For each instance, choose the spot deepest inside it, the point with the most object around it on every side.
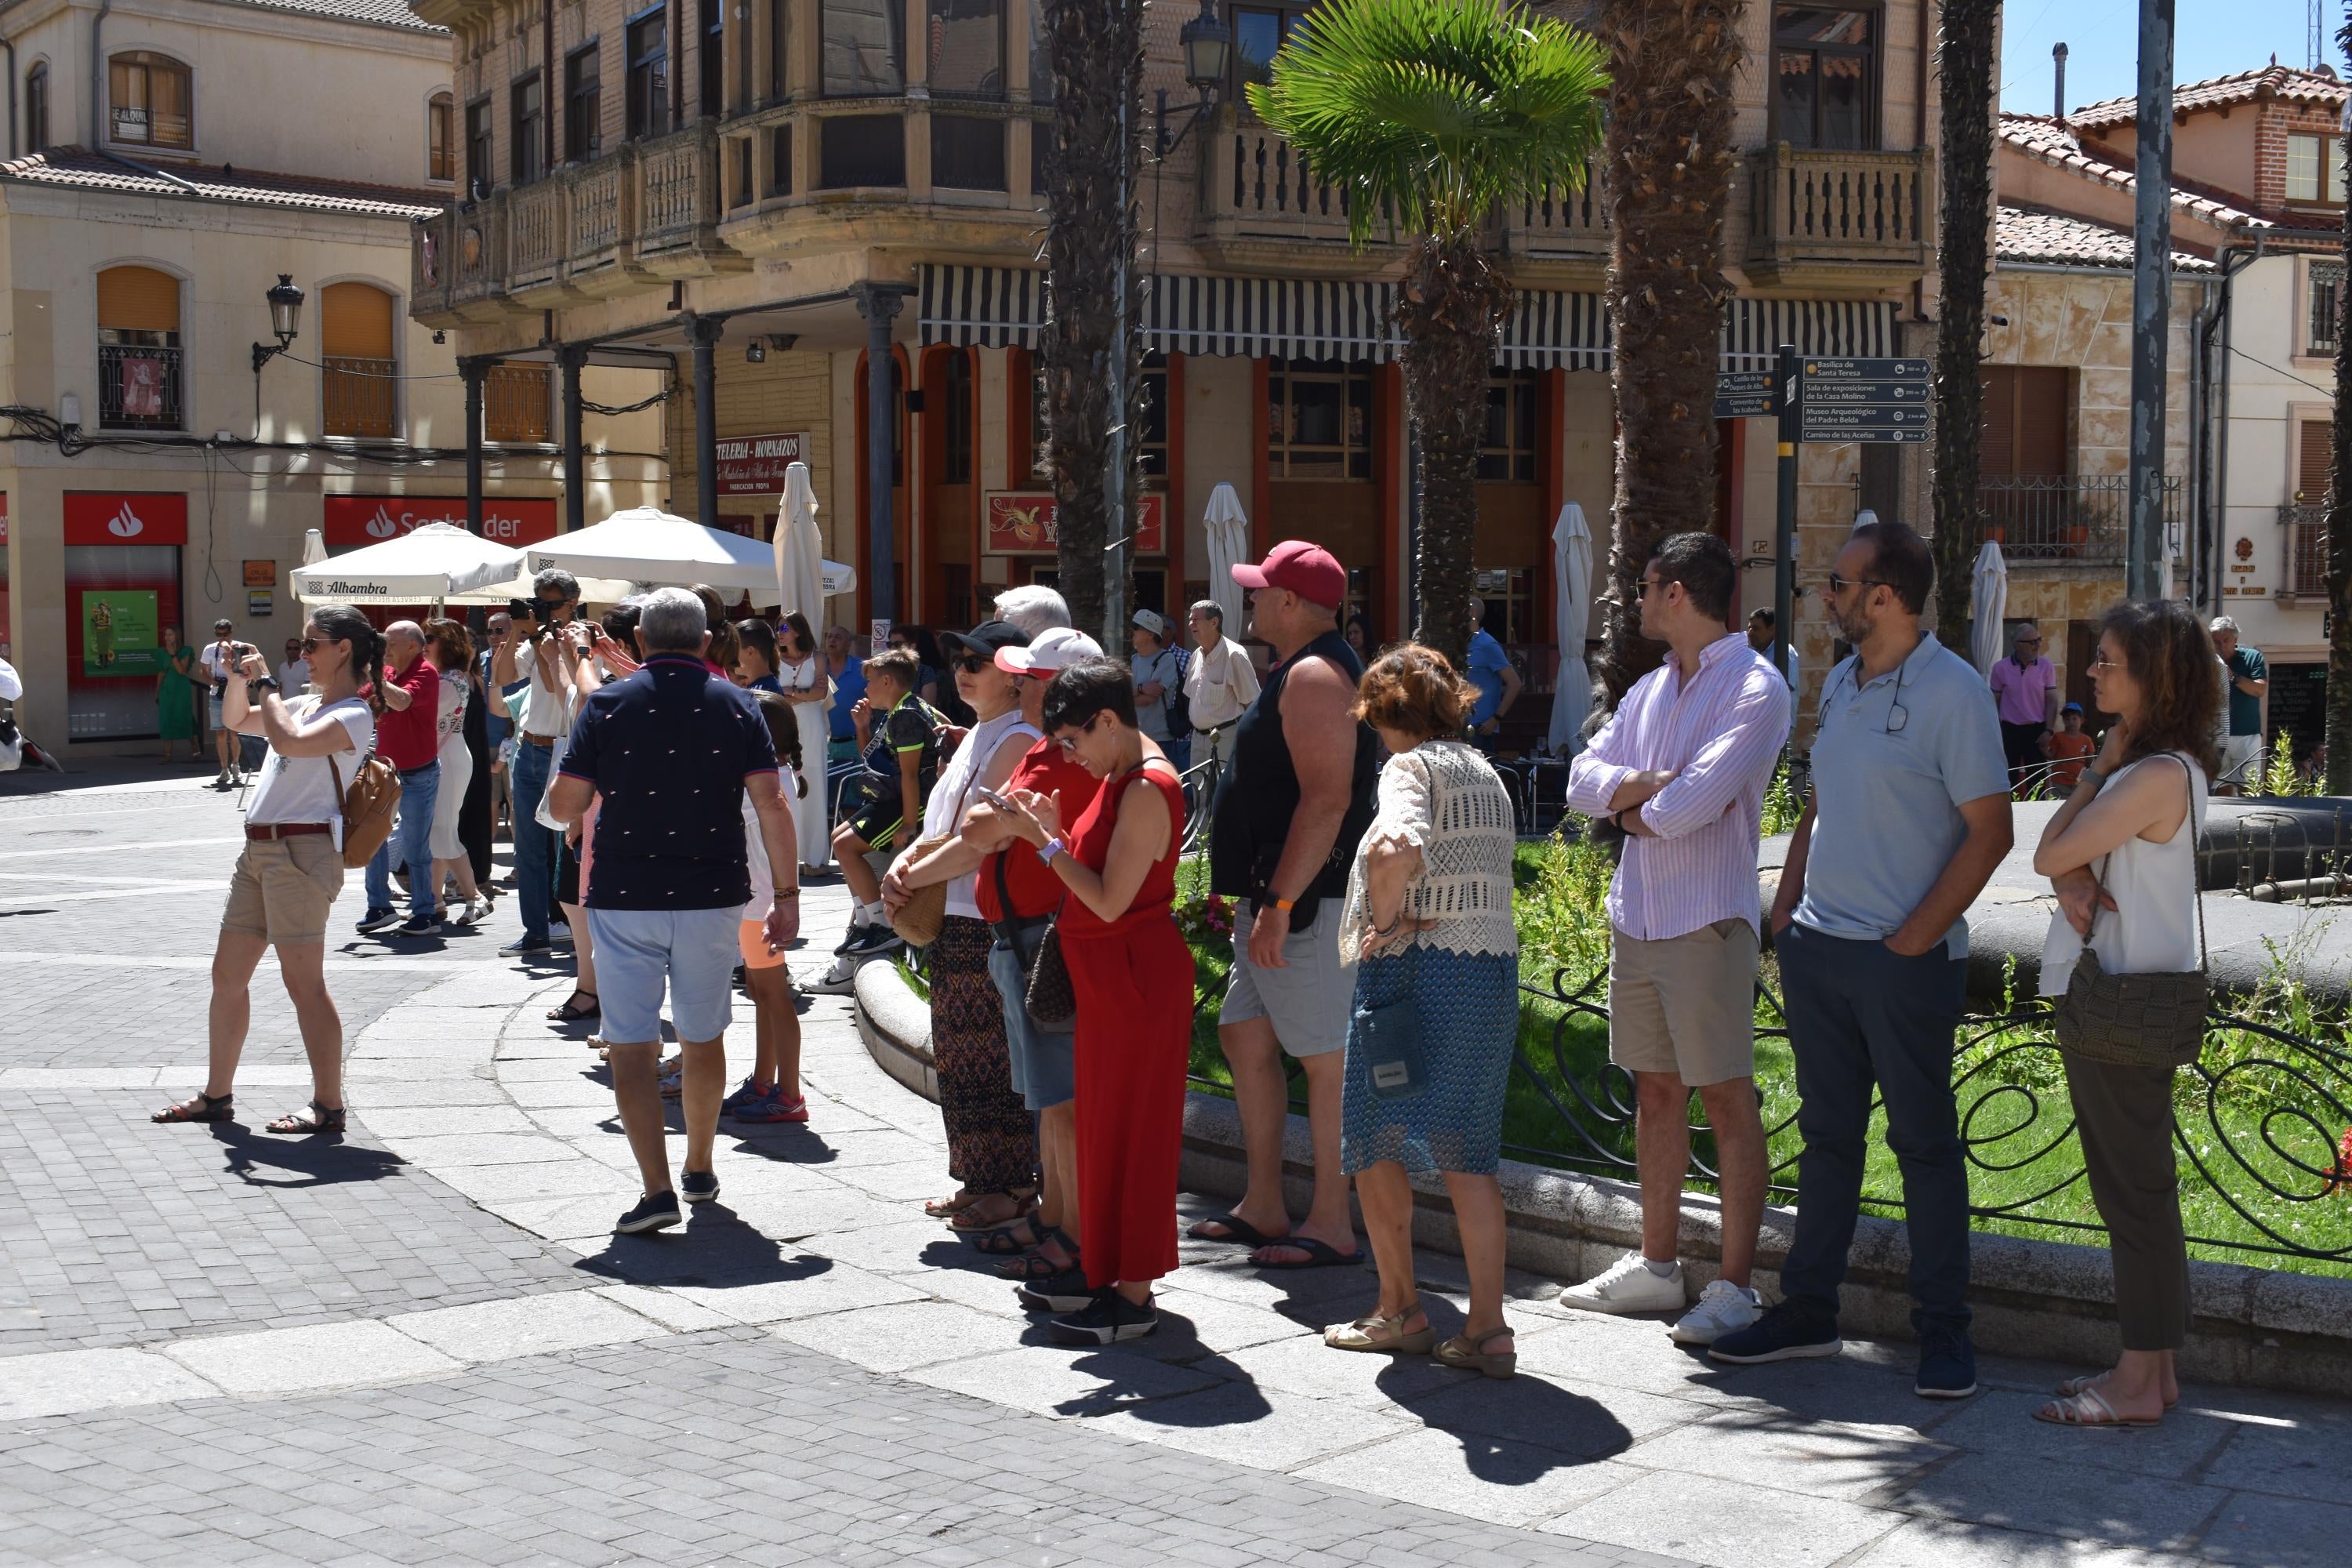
(285, 320)
(1207, 44)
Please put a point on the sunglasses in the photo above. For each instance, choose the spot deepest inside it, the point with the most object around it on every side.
(1069, 743)
(971, 664)
(312, 645)
(1838, 586)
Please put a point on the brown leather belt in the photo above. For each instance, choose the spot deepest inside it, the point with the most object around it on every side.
(539, 739)
(270, 830)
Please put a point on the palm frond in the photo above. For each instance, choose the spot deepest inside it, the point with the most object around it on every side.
(1435, 111)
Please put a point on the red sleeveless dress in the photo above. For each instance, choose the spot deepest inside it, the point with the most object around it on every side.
(1134, 981)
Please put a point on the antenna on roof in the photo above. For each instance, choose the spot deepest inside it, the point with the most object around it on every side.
(2058, 108)
(2312, 27)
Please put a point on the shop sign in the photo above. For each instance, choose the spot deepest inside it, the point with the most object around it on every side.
(260, 601)
(119, 631)
(370, 519)
(261, 574)
(142, 516)
(755, 464)
(1021, 522)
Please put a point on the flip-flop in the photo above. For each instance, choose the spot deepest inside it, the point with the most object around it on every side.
(2074, 1385)
(1319, 1254)
(2089, 1408)
(1238, 1231)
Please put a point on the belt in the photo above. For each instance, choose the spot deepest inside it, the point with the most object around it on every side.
(419, 768)
(539, 739)
(270, 830)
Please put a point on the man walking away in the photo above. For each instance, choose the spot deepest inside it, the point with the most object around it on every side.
(2025, 695)
(1288, 817)
(1909, 815)
(1221, 684)
(671, 750)
(534, 656)
(1495, 675)
(2248, 679)
(1683, 765)
(408, 737)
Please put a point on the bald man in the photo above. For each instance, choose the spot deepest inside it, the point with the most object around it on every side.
(405, 737)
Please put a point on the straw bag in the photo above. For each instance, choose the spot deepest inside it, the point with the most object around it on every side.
(919, 920)
(2151, 1020)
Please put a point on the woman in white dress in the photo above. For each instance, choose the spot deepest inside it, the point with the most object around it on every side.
(451, 650)
(799, 670)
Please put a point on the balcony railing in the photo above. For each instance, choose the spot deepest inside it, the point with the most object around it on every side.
(2076, 518)
(1810, 208)
(362, 396)
(535, 233)
(2306, 547)
(1560, 225)
(1254, 183)
(139, 388)
(678, 192)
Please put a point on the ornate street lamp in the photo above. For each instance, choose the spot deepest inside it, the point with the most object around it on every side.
(1208, 46)
(285, 320)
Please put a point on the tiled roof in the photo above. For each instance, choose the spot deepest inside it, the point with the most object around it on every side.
(2026, 233)
(72, 168)
(375, 13)
(2273, 80)
(2058, 143)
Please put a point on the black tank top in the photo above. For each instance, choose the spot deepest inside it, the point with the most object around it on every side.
(1260, 794)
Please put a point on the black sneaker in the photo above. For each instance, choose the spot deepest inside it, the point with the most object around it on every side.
(525, 947)
(850, 938)
(876, 939)
(1105, 1321)
(377, 920)
(1065, 1293)
(658, 1211)
(1948, 1363)
(698, 1187)
(419, 925)
(1785, 1332)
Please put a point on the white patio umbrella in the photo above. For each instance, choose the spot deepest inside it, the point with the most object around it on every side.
(800, 559)
(1571, 569)
(592, 590)
(645, 545)
(1989, 582)
(314, 547)
(1865, 518)
(1228, 529)
(430, 563)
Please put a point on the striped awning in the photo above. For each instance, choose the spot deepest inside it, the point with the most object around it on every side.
(1287, 318)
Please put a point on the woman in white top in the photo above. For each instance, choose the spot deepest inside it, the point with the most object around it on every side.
(992, 1138)
(292, 867)
(2122, 854)
(1427, 923)
(451, 649)
(1220, 682)
(800, 672)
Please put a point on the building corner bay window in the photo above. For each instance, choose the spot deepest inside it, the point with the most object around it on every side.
(2315, 168)
(1825, 77)
(865, 49)
(139, 352)
(1319, 420)
(527, 128)
(965, 50)
(441, 138)
(360, 386)
(478, 173)
(856, 150)
(1507, 450)
(1152, 446)
(149, 101)
(584, 105)
(648, 79)
(1258, 35)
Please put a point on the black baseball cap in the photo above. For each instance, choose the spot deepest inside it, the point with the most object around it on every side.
(988, 636)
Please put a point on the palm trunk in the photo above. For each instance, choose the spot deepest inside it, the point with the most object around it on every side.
(1667, 171)
(1450, 311)
(1097, 56)
(1964, 70)
(2339, 524)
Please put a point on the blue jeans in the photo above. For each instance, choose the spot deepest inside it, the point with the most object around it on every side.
(411, 845)
(534, 845)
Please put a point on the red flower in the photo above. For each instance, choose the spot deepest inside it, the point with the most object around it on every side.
(2342, 1178)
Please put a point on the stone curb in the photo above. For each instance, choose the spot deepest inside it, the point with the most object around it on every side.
(2042, 1300)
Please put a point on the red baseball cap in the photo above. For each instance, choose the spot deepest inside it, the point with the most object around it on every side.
(1308, 570)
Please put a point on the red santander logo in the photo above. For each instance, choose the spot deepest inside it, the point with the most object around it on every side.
(368, 519)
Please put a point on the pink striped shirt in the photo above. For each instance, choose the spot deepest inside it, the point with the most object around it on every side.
(1719, 736)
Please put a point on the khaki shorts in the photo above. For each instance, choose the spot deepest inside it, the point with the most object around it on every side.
(1686, 1005)
(283, 887)
(1309, 1000)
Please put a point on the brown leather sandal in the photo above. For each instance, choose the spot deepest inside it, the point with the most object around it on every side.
(313, 1117)
(202, 1108)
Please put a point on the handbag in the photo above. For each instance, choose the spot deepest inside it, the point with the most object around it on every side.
(2149, 1020)
(369, 807)
(919, 920)
(1050, 998)
(1026, 938)
(1387, 1039)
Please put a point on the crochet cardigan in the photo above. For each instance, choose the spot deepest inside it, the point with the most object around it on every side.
(1446, 798)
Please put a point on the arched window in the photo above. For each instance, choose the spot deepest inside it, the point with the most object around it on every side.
(441, 138)
(151, 101)
(139, 370)
(356, 335)
(36, 109)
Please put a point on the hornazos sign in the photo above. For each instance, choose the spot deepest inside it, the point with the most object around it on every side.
(1021, 522)
(755, 464)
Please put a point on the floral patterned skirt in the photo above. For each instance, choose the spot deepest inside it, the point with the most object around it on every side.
(992, 1138)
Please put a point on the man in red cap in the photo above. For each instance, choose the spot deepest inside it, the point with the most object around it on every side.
(1295, 801)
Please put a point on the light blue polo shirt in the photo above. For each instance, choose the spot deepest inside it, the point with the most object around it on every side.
(1894, 761)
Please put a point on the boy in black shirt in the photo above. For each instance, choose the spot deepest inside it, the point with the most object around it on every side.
(899, 735)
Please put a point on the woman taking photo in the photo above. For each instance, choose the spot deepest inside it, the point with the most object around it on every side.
(175, 694)
(451, 649)
(1428, 925)
(2121, 853)
(992, 1141)
(292, 866)
(801, 673)
(1133, 978)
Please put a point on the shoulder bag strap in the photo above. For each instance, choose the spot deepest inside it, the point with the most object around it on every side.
(2196, 883)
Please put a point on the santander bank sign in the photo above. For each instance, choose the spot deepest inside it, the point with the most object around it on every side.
(370, 519)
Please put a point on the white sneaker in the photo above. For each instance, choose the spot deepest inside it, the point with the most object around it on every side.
(840, 980)
(1628, 1286)
(1723, 1308)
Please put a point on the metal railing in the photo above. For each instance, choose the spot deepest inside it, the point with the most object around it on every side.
(2306, 546)
(2065, 517)
(140, 389)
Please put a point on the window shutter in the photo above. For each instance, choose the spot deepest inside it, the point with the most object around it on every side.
(2041, 421)
(138, 299)
(355, 321)
(1997, 441)
(2315, 456)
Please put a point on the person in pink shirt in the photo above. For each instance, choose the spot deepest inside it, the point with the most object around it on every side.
(1682, 767)
(2025, 693)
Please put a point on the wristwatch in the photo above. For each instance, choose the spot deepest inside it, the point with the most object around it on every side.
(1051, 847)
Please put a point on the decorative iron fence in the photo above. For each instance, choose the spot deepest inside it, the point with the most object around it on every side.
(138, 388)
(2063, 517)
(2306, 546)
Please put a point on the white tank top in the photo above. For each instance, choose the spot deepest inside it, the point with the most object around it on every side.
(2152, 930)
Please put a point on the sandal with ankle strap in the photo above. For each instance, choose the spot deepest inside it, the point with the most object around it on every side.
(1470, 1355)
(202, 1108)
(313, 1118)
(1383, 1336)
(1034, 1265)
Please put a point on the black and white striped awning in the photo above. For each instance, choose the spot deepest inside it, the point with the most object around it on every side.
(1286, 317)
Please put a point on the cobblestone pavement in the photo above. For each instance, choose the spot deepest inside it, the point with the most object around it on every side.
(424, 1345)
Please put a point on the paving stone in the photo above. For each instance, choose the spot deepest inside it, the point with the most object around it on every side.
(1235, 1421)
(2292, 1533)
(531, 1325)
(908, 1334)
(2002, 1421)
(75, 1381)
(805, 1288)
(1819, 1458)
(327, 1355)
(1939, 1542)
(1062, 1382)
(2300, 1459)
(442, 1154)
(2077, 1500)
(1724, 1523)
(1504, 1480)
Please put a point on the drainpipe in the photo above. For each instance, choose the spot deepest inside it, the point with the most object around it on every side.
(2200, 422)
(2234, 260)
(9, 45)
(549, 94)
(96, 76)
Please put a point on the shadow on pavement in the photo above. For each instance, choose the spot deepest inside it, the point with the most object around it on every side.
(300, 1160)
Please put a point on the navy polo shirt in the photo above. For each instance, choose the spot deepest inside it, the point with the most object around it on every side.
(668, 748)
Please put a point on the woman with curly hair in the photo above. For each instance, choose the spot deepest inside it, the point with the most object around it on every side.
(2122, 854)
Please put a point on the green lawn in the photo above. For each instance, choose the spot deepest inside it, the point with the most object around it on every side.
(1566, 1109)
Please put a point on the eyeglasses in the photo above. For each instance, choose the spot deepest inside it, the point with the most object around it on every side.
(1838, 584)
(2104, 662)
(1069, 743)
(2028, 642)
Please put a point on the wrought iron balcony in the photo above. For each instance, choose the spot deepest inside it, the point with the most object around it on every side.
(1863, 217)
(2081, 519)
(2307, 548)
(140, 389)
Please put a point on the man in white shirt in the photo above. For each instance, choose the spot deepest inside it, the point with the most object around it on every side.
(220, 659)
(547, 713)
(294, 670)
(1220, 682)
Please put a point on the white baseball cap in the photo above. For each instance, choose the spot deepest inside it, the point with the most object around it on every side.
(1051, 650)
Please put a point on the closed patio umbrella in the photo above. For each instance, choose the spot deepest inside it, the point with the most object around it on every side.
(800, 558)
(1571, 567)
(1990, 584)
(1228, 529)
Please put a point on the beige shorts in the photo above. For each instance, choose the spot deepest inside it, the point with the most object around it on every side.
(1684, 1005)
(283, 887)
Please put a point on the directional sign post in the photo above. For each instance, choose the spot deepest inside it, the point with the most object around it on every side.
(1784, 531)
(1744, 395)
(1870, 400)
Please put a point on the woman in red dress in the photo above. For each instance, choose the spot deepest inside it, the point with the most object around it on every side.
(1133, 978)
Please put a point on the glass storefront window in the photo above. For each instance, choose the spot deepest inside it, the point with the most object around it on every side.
(118, 598)
(1319, 420)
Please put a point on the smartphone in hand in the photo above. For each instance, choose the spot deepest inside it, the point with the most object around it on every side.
(994, 799)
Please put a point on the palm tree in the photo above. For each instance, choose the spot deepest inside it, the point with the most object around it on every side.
(1088, 344)
(1964, 69)
(1668, 162)
(2339, 518)
(1431, 115)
